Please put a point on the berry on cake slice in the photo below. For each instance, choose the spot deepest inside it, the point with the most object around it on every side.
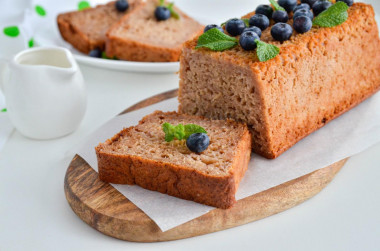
(259, 20)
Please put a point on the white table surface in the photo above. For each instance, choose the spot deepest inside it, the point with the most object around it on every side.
(34, 213)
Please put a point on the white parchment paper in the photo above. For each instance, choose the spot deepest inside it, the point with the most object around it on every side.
(345, 136)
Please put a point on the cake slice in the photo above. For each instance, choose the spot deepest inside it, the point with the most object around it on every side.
(316, 77)
(140, 37)
(140, 155)
(86, 30)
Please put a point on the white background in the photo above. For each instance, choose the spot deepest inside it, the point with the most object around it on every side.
(34, 214)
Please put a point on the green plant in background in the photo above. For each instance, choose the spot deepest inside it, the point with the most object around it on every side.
(11, 31)
(31, 43)
(83, 5)
(40, 10)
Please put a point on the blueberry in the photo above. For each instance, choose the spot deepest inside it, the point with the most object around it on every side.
(255, 29)
(235, 26)
(303, 12)
(95, 53)
(320, 6)
(302, 24)
(162, 13)
(197, 142)
(247, 40)
(348, 2)
(280, 16)
(309, 2)
(281, 31)
(211, 26)
(259, 20)
(265, 10)
(121, 5)
(302, 6)
(288, 5)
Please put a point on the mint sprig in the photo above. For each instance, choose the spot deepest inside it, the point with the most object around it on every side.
(276, 5)
(266, 51)
(180, 131)
(104, 56)
(216, 40)
(170, 7)
(3, 110)
(246, 21)
(333, 16)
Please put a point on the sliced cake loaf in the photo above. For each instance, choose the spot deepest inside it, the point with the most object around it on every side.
(86, 29)
(140, 37)
(140, 155)
(316, 77)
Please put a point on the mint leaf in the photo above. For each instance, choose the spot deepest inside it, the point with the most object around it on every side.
(246, 21)
(193, 128)
(266, 51)
(4, 110)
(169, 130)
(104, 56)
(216, 40)
(170, 6)
(224, 23)
(333, 16)
(172, 11)
(172, 132)
(180, 131)
(276, 5)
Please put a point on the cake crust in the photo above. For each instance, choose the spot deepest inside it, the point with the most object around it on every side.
(174, 179)
(316, 77)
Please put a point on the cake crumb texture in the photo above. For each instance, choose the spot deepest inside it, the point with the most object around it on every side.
(140, 155)
(86, 30)
(316, 77)
(140, 37)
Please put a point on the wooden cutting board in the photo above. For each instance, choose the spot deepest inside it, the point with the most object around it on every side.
(102, 207)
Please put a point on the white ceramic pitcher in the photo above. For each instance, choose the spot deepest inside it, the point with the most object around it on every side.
(44, 92)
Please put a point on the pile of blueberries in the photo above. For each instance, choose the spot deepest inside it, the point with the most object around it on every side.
(303, 15)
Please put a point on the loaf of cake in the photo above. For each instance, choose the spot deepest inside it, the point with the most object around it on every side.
(140, 155)
(86, 30)
(316, 77)
(140, 37)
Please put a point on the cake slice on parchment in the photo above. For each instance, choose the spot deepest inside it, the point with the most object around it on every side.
(86, 30)
(316, 77)
(140, 155)
(140, 37)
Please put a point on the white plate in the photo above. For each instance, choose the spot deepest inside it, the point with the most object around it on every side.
(49, 36)
(121, 65)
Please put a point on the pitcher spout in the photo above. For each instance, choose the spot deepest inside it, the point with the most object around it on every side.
(55, 58)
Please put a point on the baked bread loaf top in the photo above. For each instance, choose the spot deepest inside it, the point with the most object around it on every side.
(316, 77)
(140, 155)
(140, 37)
(86, 30)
